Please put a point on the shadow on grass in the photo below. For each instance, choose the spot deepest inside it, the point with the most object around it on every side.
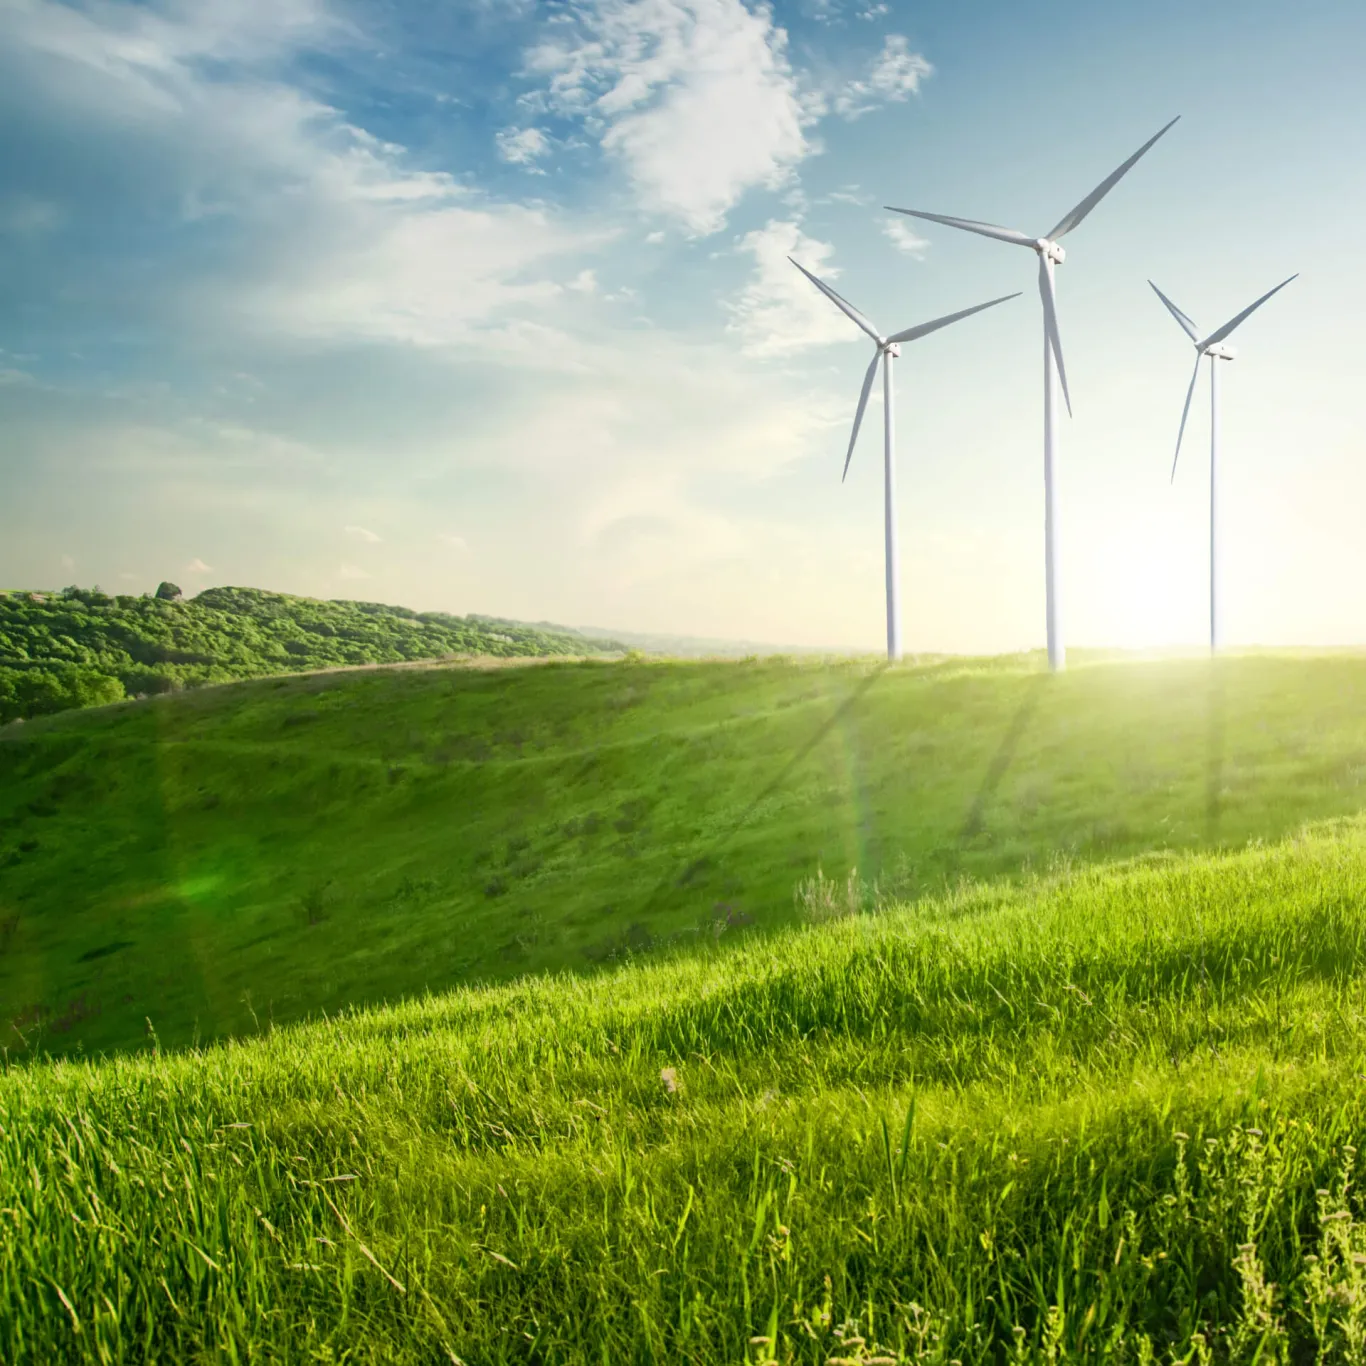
(1003, 758)
(1214, 752)
(710, 855)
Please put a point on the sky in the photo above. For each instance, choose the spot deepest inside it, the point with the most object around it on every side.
(484, 306)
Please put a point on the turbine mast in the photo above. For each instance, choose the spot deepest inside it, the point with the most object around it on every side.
(1214, 359)
(1057, 651)
(889, 353)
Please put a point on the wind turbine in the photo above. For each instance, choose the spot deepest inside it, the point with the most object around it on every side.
(887, 350)
(1050, 255)
(1213, 347)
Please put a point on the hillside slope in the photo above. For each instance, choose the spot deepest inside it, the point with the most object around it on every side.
(1112, 1117)
(226, 858)
(82, 647)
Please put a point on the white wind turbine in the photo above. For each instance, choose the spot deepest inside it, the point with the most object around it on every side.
(1050, 255)
(1213, 347)
(888, 349)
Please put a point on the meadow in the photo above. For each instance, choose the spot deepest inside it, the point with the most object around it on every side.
(650, 1011)
(210, 863)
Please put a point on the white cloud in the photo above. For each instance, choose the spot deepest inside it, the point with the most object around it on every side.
(697, 98)
(68, 563)
(585, 282)
(522, 146)
(896, 74)
(456, 543)
(351, 571)
(904, 238)
(334, 233)
(197, 566)
(779, 311)
(363, 534)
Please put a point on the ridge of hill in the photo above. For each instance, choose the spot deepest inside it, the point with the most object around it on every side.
(1111, 1116)
(720, 647)
(271, 849)
(83, 647)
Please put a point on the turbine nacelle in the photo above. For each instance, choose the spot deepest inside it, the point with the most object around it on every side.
(1051, 250)
(1212, 346)
(888, 348)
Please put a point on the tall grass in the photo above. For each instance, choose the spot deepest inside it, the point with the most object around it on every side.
(1107, 1115)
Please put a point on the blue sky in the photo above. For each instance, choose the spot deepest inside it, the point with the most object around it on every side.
(484, 306)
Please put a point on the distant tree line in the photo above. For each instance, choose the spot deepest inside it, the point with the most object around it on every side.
(82, 647)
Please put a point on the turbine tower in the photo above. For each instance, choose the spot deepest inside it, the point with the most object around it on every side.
(1050, 255)
(887, 350)
(1213, 347)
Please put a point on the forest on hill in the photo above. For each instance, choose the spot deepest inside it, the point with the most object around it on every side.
(82, 647)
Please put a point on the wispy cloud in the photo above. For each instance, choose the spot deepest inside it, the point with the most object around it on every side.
(197, 566)
(904, 238)
(29, 216)
(522, 146)
(779, 311)
(896, 75)
(363, 534)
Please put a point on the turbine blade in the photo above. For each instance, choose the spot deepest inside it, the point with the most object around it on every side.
(924, 329)
(1103, 189)
(1185, 412)
(1221, 333)
(862, 404)
(842, 304)
(1050, 324)
(1186, 325)
(969, 225)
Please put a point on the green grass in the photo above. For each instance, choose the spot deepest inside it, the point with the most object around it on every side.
(224, 859)
(1107, 1115)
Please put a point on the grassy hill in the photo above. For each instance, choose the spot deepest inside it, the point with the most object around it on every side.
(1109, 1116)
(221, 860)
(82, 647)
